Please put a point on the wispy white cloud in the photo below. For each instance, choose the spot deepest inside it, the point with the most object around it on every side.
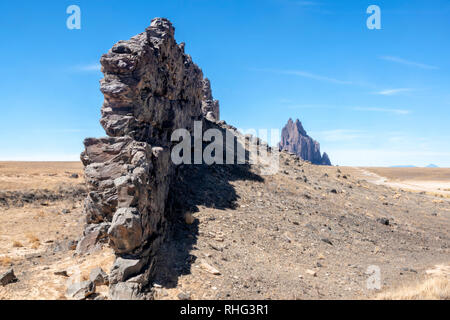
(338, 135)
(94, 67)
(309, 75)
(391, 92)
(325, 106)
(409, 63)
(386, 110)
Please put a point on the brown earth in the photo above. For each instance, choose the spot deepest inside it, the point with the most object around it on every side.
(308, 232)
(435, 181)
(40, 221)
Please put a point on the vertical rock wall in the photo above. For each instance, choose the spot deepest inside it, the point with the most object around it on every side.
(295, 139)
(151, 88)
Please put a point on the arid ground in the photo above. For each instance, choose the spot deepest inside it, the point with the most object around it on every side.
(308, 232)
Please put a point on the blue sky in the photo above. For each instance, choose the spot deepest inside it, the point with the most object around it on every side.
(370, 97)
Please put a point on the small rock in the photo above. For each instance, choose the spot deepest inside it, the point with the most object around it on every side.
(184, 296)
(384, 221)
(74, 176)
(207, 267)
(80, 290)
(8, 277)
(61, 273)
(99, 277)
(65, 211)
(189, 218)
(215, 247)
(408, 270)
(326, 240)
(311, 272)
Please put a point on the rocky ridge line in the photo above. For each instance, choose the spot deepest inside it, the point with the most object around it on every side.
(151, 87)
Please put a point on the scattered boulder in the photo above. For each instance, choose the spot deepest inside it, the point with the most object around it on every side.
(80, 290)
(384, 221)
(88, 243)
(209, 268)
(184, 296)
(99, 277)
(189, 218)
(62, 273)
(8, 277)
(311, 272)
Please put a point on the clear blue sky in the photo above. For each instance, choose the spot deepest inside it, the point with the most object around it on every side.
(370, 97)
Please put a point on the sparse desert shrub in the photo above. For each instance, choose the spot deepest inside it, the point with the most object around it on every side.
(40, 214)
(5, 261)
(17, 244)
(435, 288)
(35, 242)
(35, 245)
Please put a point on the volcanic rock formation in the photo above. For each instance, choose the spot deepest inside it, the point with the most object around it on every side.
(151, 87)
(294, 139)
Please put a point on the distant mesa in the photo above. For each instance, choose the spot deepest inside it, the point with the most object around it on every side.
(294, 139)
(411, 166)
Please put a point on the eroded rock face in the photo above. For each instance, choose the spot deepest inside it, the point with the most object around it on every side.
(151, 88)
(294, 139)
(210, 107)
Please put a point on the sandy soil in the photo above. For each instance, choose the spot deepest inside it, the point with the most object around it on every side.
(40, 221)
(431, 180)
(307, 232)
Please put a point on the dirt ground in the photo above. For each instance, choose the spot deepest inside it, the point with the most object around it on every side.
(435, 181)
(40, 221)
(308, 232)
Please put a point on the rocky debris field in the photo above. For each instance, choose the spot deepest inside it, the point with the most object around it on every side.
(308, 232)
(41, 222)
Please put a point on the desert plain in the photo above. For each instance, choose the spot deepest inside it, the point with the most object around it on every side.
(307, 232)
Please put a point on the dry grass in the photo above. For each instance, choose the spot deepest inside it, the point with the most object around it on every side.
(35, 242)
(22, 176)
(17, 244)
(434, 288)
(439, 195)
(417, 174)
(5, 261)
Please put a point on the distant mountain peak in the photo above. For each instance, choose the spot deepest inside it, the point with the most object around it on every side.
(295, 139)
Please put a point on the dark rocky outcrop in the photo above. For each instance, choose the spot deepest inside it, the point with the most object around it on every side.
(294, 139)
(210, 107)
(151, 88)
(8, 277)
